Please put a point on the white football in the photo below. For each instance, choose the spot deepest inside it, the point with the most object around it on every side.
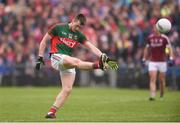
(163, 25)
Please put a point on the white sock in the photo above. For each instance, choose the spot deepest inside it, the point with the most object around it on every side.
(153, 94)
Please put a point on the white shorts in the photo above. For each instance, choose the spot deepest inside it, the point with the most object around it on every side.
(57, 63)
(157, 66)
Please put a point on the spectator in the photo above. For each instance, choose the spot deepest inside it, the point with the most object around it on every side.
(22, 24)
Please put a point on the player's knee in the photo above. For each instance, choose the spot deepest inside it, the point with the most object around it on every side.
(76, 63)
(153, 80)
(67, 90)
(73, 63)
(162, 79)
(162, 76)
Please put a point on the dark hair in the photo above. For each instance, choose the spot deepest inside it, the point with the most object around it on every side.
(81, 18)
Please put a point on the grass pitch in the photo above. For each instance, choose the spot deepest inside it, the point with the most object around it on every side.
(88, 104)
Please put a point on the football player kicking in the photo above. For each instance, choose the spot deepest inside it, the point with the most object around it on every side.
(155, 49)
(64, 38)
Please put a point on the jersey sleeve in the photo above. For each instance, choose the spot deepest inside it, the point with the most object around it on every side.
(167, 41)
(53, 30)
(82, 38)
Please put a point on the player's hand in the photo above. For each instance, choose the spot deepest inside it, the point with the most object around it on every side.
(39, 63)
(170, 63)
(144, 62)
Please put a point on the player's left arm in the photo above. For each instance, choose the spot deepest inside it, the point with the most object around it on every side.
(170, 50)
(102, 56)
(93, 48)
(111, 63)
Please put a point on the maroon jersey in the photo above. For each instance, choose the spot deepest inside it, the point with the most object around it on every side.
(157, 45)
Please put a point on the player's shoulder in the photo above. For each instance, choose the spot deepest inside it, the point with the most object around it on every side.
(164, 36)
(57, 25)
(79, 33)
(151, 36)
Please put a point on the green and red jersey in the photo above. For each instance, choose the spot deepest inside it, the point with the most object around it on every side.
(64, 40)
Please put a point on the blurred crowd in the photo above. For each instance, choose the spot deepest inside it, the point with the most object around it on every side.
(118, 27)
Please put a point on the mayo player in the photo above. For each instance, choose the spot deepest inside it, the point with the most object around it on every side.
(64, 38)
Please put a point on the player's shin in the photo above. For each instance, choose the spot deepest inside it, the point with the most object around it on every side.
(162, 85)
(61, 98)
(152, 89)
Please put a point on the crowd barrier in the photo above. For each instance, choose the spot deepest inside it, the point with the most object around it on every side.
(20, 75)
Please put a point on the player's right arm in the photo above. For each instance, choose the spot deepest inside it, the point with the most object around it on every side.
(146, 52)
(42, 48)
(43, 44)
(51, 32)
(146, 49)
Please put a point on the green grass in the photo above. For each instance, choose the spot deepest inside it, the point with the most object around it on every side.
(88, 104)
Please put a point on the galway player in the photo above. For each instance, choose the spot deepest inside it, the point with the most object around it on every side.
(155, 49)
(64, 38)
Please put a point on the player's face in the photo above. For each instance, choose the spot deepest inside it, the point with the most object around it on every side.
(77, 26)
(156, 31)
